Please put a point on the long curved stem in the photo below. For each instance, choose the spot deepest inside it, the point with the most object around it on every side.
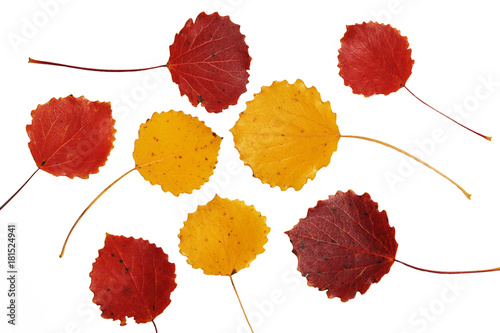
(241, 305)
(448, 272)
(26, 182)
(88, 207)
(156, 329)
(411, 156)
(34, 61)
(456, 122)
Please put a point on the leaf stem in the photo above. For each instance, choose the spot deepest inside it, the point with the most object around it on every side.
(411, 156)
(26, 182)
(456, 122)
(448, 272)
(241, 305)
(88, 207)
(34, 61)
(156, 329)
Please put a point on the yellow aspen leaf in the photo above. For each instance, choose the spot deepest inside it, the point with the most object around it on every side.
(177, 151)
(223, 236)
(286, 134)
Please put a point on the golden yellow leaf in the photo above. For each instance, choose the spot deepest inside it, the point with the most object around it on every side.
(177, 151)
(223, 236)
(286, 134)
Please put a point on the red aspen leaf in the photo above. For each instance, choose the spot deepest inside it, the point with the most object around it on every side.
(344, 244)
(71, 136)
(209, 61)
(131, 278)
(374, 59)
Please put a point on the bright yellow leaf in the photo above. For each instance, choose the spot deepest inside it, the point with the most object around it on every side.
(177, 151)
(286, 134)
(223, 236)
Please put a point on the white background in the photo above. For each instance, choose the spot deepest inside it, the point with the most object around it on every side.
(455, 47)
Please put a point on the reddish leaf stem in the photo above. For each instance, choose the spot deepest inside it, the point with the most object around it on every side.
(448, 272)
(241, 305)
(411, 156)
(156, 329)
(88, 207)
(26, 182)
(34, 61)
(456, 122)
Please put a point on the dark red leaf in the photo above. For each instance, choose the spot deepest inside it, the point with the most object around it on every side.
(344, 244)
(71, 136)
(132, 278)
(209, 61)
(374, 59)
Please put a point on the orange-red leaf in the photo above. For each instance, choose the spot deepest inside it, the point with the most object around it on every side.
(132, 278)
(344, 244)
(209, 61)
(374, 59)
(71, 136)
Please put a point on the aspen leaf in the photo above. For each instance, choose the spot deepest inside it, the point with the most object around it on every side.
(131, 278)
(209, 61)
(345, 244)
(223, 236)
(70, 137)
(375, 58)
(286, 134)
(177, 151)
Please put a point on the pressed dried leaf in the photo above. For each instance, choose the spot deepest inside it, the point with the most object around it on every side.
(177, 151)
(209, 61)
(131, 278)
(223, 236)
(344, 244)
(71, 136)
(374, 59)
(286, 134)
